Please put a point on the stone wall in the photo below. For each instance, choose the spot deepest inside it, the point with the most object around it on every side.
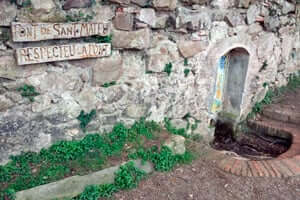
(147, 34)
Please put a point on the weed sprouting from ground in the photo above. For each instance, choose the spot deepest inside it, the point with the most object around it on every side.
(128, 176)
(107, 190)
(164, 159)
(168, 125)
(91, 192)
(31, 169)
(67, 158)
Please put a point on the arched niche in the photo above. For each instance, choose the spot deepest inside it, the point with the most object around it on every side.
(238, 53)
(230, 82)
(235, 78)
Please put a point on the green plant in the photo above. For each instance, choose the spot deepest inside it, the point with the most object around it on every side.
(163, 160)
(91, 192)
(66, 158)
(186, 72)
(99, 39)
(293, 81)
(128, 176)
(60, 160)
(8, 194)
(106, 85)
(187, 116)
(149, 72)
(107, 190)
(168, 68)
(168, 125)
(185, 62)
(143, 127)
(28, 91)
(85, 119)
(194, 126)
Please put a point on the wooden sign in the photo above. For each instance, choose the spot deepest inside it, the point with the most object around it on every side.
(32, 55)
(29, 32)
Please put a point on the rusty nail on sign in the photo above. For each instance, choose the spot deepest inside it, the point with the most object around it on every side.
(33, 55)
(30, 32)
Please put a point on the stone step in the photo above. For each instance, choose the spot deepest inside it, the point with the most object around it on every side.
(269, 127)
(282, 113)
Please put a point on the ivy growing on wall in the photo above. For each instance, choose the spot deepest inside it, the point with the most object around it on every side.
(99, 39)
(109, 84)
(85, 119)
(186, 72)
(168, 68)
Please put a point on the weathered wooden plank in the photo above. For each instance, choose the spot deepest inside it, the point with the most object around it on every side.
(32, 55)
(29, 32)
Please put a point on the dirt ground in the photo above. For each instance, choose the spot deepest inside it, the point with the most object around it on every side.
(202, 180)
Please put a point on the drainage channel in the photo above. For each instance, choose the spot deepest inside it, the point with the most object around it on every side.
(254, 145)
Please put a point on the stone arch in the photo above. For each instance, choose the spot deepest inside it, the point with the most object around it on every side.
(238, 44)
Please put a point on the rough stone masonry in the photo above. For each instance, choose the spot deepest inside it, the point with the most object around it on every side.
(193, 35)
